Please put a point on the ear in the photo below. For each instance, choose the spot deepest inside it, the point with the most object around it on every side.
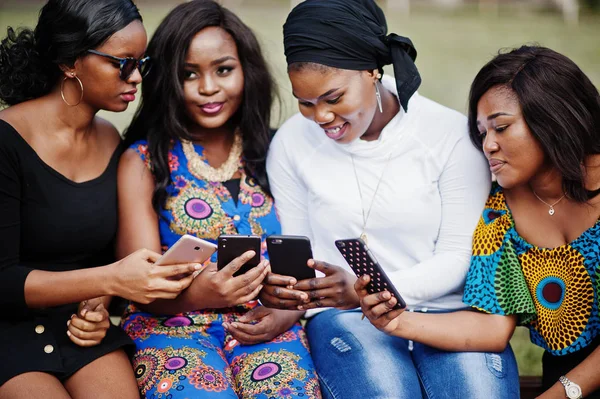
(70, 71)
(374, 74)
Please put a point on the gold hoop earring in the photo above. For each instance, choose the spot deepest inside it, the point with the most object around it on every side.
(62, 93)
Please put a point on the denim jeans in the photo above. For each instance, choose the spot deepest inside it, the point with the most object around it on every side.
(355, 360)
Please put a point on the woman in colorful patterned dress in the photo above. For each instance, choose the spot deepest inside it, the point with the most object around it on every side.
(536, 250)
(197, 166)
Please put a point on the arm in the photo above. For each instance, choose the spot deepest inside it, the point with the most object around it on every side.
(464, 186)
(585, 375)
(457, 331)
(138, 228)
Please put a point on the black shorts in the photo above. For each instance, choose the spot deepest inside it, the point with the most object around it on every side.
(40, 343)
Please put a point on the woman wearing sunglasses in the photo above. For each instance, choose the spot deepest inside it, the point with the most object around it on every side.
(58, 203)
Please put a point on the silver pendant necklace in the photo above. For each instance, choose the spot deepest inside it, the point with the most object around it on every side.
(551, 210)
(365, 217)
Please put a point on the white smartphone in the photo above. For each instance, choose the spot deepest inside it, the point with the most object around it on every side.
(188, 249)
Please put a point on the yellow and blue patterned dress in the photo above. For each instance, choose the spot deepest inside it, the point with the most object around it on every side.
(553, 291)
(191, 355)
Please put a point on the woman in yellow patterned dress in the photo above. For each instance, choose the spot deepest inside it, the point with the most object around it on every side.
(536, 250)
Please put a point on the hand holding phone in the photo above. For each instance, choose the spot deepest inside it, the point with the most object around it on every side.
(289, 256)
(233, 246)
(362, 262)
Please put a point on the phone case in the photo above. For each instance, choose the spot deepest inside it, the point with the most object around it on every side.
(288, 256)
(232, 246)
(188, 249)
(362, 262)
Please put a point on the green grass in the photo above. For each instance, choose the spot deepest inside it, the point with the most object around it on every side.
(452, 46)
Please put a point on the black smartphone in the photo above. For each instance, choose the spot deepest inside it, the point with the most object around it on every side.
(288, 256)
(362, 262)
(232, 246)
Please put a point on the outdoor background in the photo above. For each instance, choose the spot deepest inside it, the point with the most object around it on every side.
(454, 38)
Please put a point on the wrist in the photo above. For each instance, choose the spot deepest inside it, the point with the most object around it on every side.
(107, 280)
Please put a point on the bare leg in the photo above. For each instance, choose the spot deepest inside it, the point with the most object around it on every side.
(33, 385)
(110, 376)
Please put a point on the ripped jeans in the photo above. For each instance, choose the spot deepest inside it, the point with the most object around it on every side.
(355, 360)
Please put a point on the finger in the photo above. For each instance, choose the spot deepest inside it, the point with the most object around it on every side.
(81, 342)
(232, 267)
(96, 316)
(278, 279)
(251, 329)
(321, 266)
(82, 324)
(360, 286)
(251, 296)
(278, 303)
(286, 293)
(177, 270)
(148, 255)
(253, 277)
(255, 314)
(375, 299)
(315, 283)
(244, 337)
(382, 308)
(319, 303)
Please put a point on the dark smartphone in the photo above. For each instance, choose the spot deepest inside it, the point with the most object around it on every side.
(288, 256)
(362, 262)
(232, 246)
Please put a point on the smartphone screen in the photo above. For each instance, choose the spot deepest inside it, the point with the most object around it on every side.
(232, 246)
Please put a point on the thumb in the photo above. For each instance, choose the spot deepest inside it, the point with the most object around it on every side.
(255, 314)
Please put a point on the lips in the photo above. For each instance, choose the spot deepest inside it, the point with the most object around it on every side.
(212, 108)
(336, 132)
(496, 165)
(129, 96)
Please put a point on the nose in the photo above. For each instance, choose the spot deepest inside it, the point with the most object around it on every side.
(207, 86)
(490, 145)
(135, 77)
(323, 115)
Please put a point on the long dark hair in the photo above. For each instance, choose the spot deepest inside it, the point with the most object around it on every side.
(161, 116)
(30, 60)
(560, 104)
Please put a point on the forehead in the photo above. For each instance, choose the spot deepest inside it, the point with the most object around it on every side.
(498, 99)
(131, 40)
(211, 43)
(310, 83)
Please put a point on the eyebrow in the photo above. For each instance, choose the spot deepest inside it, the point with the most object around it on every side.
(326, 94)
(212, 63)
(494, 116)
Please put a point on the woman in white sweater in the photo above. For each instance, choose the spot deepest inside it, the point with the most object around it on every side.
(368, 156)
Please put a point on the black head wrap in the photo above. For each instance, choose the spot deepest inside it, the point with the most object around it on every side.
(350, 34)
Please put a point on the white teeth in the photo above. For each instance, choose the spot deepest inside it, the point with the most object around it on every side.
(334, 131)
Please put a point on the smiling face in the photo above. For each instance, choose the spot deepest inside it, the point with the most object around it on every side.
(514, 154)
(341, 101)
(213, 82)
(102, 86)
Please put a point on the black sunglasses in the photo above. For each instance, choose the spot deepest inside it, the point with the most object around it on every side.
(127, 65)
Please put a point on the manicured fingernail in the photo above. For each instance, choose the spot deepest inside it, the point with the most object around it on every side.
(68, 323)
(68, 333)
(364, 278)
(300, 307)
(73, 315)
(226, 326)
(198, 266)
(83, 312)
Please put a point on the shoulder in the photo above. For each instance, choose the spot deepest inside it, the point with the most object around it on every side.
(297, 136)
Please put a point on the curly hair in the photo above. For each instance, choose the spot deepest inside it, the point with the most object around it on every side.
(30, 60)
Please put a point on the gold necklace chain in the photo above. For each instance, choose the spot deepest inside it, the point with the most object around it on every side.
(551, 210)
(199, 167)
(363, 235)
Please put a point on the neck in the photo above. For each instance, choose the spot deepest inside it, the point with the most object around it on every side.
(218, 137)
(76, 120)
(390, 106)
(547, 185)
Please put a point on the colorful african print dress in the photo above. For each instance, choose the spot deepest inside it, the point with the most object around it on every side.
(554, 292)
(190, 355)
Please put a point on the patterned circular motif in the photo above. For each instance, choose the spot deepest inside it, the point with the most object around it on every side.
(175, 363)
(207, 378)
(251, 193)
(139, 327)
(258, 199)
(550, 292)
(178, 321)
(265, 370)
(492, 226)
(287, 336)
(164, 385)
(275, 368)
(561, 325)
(198, 209)
(148, 366)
